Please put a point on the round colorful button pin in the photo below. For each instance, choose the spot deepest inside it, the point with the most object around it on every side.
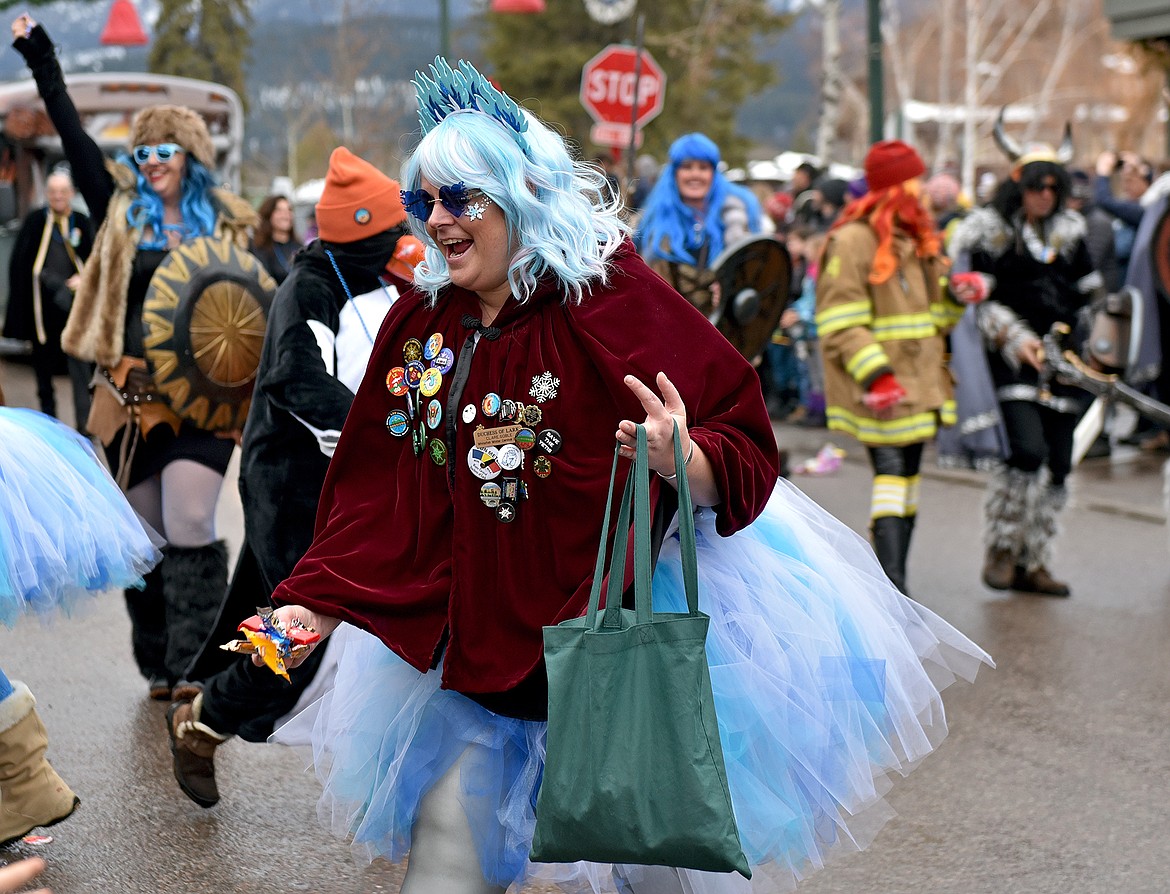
(434, 413)
(491, 404)
(549, 441)
(484, 462)
(525, 438)
(432, 381)
(490, 494)
(396, 381)
(398, 424)
(433, 346)
(469, 412)
(510, 457)
(414, 373)
(444, 361)
(412, 350)
(506, 512)
(438, 452)
(542, 466)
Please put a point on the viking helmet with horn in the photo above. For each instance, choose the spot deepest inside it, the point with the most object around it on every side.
(1022, 155)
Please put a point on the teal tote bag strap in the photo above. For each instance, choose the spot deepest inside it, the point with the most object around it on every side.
(686, 528)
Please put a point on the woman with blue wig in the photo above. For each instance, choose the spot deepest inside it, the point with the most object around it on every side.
(146, 204)
(691, 215)
(462, 510)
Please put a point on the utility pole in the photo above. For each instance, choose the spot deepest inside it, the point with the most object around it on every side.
(444, 30)
(877, 112)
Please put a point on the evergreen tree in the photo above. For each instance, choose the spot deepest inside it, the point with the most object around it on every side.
(205, 39)
(705, 47)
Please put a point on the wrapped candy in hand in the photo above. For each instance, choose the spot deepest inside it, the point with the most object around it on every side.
(273, 640)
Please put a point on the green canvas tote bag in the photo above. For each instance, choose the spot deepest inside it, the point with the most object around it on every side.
(634, 771)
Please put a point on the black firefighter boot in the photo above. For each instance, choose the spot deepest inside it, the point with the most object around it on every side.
(194, 582)
(1005, 509)
(148, 633)
(891, 542)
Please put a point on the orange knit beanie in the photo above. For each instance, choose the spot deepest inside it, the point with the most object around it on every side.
(358, 200)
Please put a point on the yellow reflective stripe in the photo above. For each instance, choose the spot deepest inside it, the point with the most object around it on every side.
(844, 316)
(948, 413)
(907, 430)
(889, 496)
(896, 326)
(913, 486)
(946, 314)
(866, 362)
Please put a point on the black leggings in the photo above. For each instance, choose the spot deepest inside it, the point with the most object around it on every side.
(1037, 436)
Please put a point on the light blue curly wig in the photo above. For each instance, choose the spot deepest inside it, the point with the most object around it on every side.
(668, 226)
(562, 217)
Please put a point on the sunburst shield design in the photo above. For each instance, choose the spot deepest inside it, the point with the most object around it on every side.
(203, 323)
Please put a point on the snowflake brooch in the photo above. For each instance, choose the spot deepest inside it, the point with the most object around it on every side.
(544, 387)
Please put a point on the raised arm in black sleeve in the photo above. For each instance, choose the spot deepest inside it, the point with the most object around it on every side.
(90, 176)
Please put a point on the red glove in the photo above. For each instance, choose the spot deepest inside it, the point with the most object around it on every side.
(884, 394)
(970, 288)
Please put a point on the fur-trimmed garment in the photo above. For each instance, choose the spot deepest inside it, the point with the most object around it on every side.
(97, 323)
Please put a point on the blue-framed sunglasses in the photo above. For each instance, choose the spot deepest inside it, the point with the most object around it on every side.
(454, 198)
(164, 152)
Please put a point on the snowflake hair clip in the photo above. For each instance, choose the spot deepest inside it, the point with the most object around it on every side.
(448, 90)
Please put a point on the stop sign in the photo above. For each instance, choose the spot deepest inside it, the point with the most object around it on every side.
(607, 86)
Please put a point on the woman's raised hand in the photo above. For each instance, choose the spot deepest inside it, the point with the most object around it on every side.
(22, 26)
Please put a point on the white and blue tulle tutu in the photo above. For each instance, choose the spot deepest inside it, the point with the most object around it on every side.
(66, 530)
(826, 683)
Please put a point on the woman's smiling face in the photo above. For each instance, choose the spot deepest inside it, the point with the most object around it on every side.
(475, 245)
(166, 177)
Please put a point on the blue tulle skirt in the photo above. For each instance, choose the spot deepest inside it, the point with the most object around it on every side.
(826, 683)
(66, 530)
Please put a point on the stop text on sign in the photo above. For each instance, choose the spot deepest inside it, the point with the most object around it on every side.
(617, 88)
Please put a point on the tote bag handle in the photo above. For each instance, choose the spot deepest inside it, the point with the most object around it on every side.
(637, 491)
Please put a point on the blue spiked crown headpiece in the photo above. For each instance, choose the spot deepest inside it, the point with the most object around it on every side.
(447, 91)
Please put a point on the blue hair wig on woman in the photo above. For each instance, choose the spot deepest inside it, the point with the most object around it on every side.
(562, 220)
(146, 210)
(673, 230)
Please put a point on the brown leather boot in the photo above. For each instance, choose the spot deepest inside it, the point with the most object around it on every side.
(999, 569)
(1040, 582)
(193, 747)
(31, 793)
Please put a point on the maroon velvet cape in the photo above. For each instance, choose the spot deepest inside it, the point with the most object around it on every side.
(401, 554)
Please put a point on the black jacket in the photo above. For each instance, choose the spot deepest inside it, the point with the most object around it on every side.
(20, 321)
(282, 467)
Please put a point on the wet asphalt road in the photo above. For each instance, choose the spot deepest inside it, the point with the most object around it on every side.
(1054, 778)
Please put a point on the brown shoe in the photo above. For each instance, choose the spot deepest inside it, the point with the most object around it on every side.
(193, 747)
(999, 569)
(1040, 582)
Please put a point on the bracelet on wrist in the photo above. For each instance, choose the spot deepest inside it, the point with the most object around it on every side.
(686, 462)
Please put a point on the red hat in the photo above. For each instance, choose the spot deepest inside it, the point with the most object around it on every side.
(891, 162)
(358, 200)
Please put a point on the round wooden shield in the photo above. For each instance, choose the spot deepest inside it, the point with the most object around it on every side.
(203, 321)
(753, 276)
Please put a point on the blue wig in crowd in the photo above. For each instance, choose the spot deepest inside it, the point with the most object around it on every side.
(671, 229)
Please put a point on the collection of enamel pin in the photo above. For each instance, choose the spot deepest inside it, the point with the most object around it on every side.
(501, 443)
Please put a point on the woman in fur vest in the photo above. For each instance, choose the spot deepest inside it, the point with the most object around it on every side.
(145, 204)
